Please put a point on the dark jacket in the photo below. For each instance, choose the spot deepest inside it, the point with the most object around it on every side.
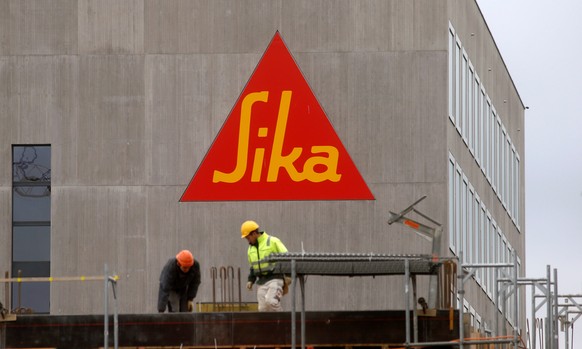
(174, 279)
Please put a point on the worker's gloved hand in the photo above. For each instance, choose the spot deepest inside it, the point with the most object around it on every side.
(190, 306)
(249, 285)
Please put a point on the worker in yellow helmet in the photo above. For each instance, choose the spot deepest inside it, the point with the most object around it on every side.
(179, 283)
(269, 284)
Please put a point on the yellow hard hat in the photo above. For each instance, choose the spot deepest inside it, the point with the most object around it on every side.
(247, 227)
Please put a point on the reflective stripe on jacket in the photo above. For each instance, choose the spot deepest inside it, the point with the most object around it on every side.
(266, 245)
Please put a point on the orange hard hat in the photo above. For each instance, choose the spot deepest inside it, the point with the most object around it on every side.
(185, 258)
(247, 227)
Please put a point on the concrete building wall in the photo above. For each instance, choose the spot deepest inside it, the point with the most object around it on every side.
(131, 94)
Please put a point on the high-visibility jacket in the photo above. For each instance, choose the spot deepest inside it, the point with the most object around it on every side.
(263, 272)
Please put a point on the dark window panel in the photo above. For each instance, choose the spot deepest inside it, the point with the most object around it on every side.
(31, 163)
(31, 269)
(31, 203)
(31, 244)
(32, 295)
(31, 179)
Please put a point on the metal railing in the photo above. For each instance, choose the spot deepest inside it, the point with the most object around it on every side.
(108, 279)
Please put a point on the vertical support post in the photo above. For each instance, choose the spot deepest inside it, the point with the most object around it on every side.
(555, 303)
(105, 312)
(414, 309)
(533, 317)
(293, 314)
(407, 300)
(503, 310)
(515, 302)
(461, 291)
(433, 291)
(239, 287)
(115, 312)
(302, 288)
(549, 326)
(496, 299)
(7, 290)
(567, 333)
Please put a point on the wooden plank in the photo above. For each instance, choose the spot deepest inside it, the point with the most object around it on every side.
(54, 279)
(8, 317)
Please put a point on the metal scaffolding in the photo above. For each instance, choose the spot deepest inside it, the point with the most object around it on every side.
(338, 264)
(298, 265)
(108, 279)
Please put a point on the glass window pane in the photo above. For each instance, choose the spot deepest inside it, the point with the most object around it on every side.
(31, 214)
(31, 204)
(451, 75)
(31, 244)
(34, 296)
(31, 269)
(31, 163)
(458, 185)
(452, 205)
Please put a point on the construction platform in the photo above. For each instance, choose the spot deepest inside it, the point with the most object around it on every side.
(345, 329)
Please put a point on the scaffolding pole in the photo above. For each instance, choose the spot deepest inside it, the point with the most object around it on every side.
(470, 269)
(113, 280)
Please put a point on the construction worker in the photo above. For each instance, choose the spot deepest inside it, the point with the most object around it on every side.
(269, 284)
(179, 283)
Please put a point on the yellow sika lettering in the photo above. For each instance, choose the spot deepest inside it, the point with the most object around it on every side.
(328, 156)
(243, 139)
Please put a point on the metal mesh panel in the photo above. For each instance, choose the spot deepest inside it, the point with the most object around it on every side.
(351, 264)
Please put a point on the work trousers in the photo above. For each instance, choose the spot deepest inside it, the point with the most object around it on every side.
(269, 295)
(177, 302)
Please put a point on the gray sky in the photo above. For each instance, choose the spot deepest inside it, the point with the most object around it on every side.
(541, 44)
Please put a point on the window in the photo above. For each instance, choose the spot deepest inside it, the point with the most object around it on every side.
(452, 73)
(458, 185)
(477, 113)
(487, 139)
(484, 241)
(517, 188)
(457, 84)
(499, 155)
(452, 204)
(503, 159)
(508, 175)
(494, 151)
(470, 225)
(471, 108)
(464, 213)
(482, 130)
(477, 236)
(502, 272)
(464, 97)
(512, 182)
(492, 248)
(482, 126)
(31, 214)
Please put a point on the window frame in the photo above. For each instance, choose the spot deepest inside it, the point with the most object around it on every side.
(36, 294)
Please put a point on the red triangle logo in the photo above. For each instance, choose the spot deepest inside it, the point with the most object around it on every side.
(277, 143)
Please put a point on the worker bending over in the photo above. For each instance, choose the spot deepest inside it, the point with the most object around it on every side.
(269, 284)
(179, 283)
